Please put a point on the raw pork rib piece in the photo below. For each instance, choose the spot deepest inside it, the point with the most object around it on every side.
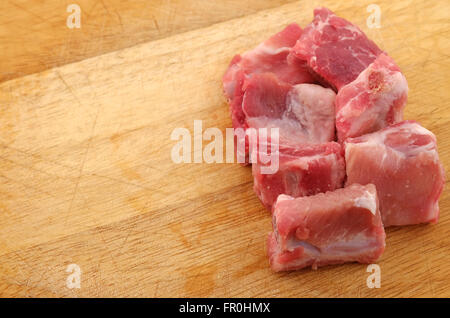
(335, 49)
(402, 161)
(373, 101)
(327, 228)
(303, 113)
(304, 170)
(270, 56)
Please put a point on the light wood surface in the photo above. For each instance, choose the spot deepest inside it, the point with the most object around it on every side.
(86, 175)
(35, 36)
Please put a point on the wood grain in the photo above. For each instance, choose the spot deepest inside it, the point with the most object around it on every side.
(87, 178)
(35, 37)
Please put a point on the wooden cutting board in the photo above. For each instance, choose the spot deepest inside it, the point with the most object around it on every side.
(87, 176)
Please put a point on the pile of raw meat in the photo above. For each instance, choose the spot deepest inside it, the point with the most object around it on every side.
(348, 166)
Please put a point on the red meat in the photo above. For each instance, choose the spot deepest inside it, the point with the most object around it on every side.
(403, 162)
(373, 101)
(303, 113)
(328, 228)
(335, 49)
(268, 57)
(303, 170)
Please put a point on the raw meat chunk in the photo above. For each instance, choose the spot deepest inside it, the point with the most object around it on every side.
(373, 101)
(328, 228)
(402, 161)
(303, 113)
(270, 56)
(335, 49)
(303, 170)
